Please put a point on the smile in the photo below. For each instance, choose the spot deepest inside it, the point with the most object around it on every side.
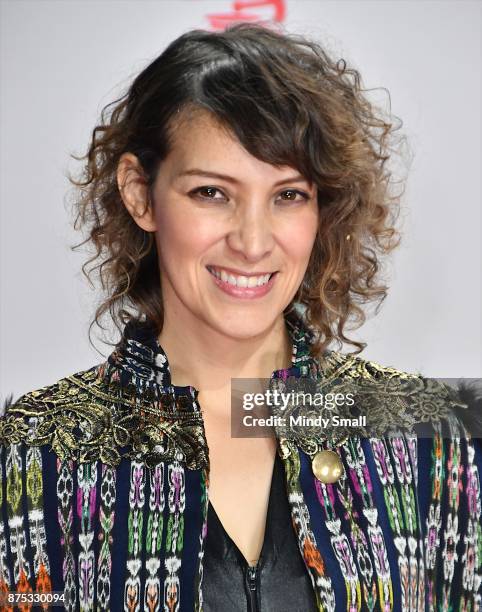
(240, 280)
(240, 285)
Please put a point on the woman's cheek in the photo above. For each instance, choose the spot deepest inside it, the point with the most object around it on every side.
(299, 237)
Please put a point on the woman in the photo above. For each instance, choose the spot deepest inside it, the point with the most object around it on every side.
(239, 180)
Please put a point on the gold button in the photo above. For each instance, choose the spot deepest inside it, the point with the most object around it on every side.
(327, 466)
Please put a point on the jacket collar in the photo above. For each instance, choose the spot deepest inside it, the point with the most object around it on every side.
(139, 361)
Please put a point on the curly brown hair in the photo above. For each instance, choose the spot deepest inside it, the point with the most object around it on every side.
(288, 103)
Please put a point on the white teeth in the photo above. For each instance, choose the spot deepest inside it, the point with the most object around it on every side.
(240, 281)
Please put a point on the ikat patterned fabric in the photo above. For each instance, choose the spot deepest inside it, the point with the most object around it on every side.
(105, 487)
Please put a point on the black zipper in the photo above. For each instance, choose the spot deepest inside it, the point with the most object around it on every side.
(252, 580)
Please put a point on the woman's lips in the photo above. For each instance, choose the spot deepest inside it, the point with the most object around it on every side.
(248, 293)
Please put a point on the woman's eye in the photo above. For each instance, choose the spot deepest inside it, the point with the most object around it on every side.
(207, 193)
(292, 193)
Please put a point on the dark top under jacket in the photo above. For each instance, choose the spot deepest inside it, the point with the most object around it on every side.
(280, 580)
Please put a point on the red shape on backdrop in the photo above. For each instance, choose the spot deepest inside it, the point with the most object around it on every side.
(219, 21)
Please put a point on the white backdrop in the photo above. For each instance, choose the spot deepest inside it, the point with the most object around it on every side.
(62, 61)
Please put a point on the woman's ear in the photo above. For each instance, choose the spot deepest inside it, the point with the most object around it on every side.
(134, 191)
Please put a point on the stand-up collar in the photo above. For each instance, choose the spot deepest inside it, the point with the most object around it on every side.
(140, 361)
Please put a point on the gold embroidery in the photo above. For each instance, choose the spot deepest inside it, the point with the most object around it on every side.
(389, 398)
(86, 418)
(82, 417)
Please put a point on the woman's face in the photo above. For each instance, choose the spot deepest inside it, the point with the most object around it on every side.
(225, 223)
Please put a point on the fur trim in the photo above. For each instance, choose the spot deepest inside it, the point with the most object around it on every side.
(470, 393)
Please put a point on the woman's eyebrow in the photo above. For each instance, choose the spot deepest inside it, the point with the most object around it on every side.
(298, 178)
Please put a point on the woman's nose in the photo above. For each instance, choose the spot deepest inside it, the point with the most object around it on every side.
(252, 234)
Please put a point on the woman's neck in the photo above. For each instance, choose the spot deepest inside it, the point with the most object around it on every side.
(205, 358)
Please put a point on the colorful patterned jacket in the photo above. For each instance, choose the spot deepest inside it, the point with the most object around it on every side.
(105, 483)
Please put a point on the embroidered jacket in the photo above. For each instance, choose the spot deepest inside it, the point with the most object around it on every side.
(105, 483)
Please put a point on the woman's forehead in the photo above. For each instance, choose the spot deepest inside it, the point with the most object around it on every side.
(197, 124)
(202, 143)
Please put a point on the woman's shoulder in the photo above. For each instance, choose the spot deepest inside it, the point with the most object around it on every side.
(66, 415)
(55, 392)
(74, 390)
(105, 413)
(398, 397)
